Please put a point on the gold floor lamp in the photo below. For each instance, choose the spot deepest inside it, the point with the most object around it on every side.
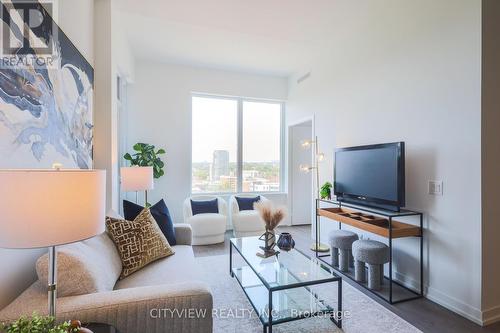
(318, 157)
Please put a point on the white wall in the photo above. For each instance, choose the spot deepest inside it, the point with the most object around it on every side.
(413, 75)
(160, 114)
(105, 128)
(18, 272)
(76, 19)
(123, 57)
(113, 57)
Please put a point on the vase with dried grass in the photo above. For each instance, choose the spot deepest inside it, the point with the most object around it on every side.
(272, 217)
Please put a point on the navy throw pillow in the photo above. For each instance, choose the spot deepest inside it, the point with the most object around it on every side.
(245, 203)
(203, 207)
(160, 213)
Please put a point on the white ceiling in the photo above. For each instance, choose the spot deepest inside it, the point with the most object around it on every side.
(278, 37)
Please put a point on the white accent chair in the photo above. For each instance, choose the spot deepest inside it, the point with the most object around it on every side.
(208, 228)
(246, 222)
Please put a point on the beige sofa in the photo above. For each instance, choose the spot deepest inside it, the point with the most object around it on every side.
(165, 296)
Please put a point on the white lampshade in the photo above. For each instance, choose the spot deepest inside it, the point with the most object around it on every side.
(40, 208)
(137, 178)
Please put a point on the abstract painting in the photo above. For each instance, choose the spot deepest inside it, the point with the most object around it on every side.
(46, 93)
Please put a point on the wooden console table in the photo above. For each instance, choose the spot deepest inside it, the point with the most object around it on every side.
(381, 223)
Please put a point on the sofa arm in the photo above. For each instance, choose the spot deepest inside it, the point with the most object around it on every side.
(184, 307)
(183, 233)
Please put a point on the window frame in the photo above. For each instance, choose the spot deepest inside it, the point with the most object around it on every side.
(239, 144)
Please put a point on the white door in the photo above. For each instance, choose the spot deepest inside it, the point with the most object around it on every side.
(301, 182)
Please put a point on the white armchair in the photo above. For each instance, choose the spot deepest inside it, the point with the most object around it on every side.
(207, 228)
(246, 222)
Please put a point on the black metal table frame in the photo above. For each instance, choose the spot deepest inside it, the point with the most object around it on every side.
(390, 215)
(271, 322)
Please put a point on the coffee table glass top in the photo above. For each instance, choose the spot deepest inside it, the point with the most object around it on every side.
(287, 303)
(285, 270)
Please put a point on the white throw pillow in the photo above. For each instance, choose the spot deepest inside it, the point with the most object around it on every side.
(86, 267)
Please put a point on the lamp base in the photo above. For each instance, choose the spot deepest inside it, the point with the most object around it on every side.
(319, 247)
(52, 283)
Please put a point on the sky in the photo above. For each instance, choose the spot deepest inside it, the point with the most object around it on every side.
(215, 128)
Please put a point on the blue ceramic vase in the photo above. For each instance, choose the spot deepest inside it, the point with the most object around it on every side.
(285, 241)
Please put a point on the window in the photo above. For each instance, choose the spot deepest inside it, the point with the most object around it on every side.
(237, 145)
(261, 146)
(215, 144)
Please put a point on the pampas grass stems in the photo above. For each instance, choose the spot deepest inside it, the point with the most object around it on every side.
(272, 216)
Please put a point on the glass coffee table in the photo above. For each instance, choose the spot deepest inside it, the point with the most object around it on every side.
(278, 287)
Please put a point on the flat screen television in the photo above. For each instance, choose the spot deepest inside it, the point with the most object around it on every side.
(371, 175)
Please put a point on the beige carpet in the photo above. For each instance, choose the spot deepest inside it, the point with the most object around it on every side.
(233, 315)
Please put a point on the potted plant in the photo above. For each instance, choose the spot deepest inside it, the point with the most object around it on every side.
(42, 324)
(326, 191)
(146, 155)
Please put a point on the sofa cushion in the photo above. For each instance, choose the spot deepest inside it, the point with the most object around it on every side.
(246, 203)
(205, 206)
(139, 242)
(85, 267)
(160, 213)
(175, 269)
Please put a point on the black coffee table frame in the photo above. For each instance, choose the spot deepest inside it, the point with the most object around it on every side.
(268, 324)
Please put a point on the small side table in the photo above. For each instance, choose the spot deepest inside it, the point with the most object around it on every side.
(101, 328)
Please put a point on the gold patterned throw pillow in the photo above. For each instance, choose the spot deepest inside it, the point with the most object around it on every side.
(139, 242)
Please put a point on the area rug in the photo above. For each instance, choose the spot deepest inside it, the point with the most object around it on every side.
(234, 313)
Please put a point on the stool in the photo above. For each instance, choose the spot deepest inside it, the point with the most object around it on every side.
(375, 255)
(341, 241)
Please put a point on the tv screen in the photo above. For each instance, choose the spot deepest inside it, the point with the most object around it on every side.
(371, 175)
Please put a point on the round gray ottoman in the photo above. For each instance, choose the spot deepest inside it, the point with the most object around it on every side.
(341, 241)
(375, 255)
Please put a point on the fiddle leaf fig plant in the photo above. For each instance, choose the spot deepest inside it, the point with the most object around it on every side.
(326, 191)
(147, 155)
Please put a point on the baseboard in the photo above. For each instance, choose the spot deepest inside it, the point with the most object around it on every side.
(465, 310)
(406, 281)
(473, 314)
(491, 315)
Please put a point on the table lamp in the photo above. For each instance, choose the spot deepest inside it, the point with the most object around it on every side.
(46, 208)
(137, 178)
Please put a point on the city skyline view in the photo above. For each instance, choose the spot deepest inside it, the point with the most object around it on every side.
(220, 175)
(215, 145)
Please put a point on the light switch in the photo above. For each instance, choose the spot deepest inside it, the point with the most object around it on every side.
(435, 187)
